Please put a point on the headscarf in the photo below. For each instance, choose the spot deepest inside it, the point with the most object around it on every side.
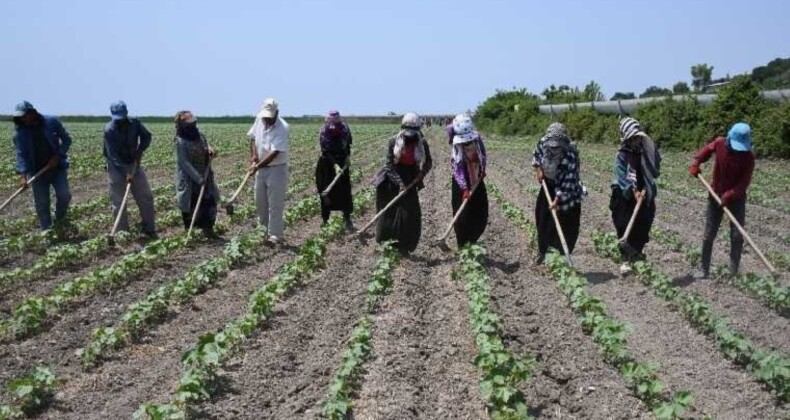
(334, 128)
(411, 126)
(556, 143)
(463, 132)
(634, 140)
(186, 126)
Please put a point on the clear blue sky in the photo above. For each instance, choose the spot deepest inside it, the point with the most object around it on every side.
(363, 57)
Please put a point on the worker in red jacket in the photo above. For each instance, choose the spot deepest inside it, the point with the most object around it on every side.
(732, 173)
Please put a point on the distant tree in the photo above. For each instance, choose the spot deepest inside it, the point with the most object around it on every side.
(566, 94)
(774, 75)
(654, 91)
(592, 92)
(701, 75)
(681, 88)
(623, 95)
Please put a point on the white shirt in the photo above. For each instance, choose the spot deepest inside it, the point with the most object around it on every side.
(272, 138)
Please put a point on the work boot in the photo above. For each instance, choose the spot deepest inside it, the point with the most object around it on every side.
(700, 274)
(349, 224)
(209, 233)
(626, 269)
(538, 261)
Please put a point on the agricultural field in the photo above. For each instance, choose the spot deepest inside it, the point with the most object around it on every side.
(332, 325)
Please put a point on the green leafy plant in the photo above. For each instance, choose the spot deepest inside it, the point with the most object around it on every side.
(30, 393)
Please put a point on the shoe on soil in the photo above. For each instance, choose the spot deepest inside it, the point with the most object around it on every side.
(151, 234)
(349, 225)
(700, 275)
(538, 261)
(275, 240)
(626, 269)
(209, 233)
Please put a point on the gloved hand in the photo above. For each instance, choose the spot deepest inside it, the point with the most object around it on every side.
(727, 197)
(694, 170)
(539, 174)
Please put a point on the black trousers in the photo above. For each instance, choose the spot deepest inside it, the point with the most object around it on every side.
(472, 222)
(622, 209)
(340, 198)
(206, 215)
(403, 221)
(713, 218)
(570, 221)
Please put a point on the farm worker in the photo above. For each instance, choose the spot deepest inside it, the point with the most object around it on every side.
(732, 173)
(636, 167)
(42, 142)
(335, 143)
(469, 161)
(448, 129)
(408, 161)
(125, 141)
(193, 172)
(556, 161)
(269, 137)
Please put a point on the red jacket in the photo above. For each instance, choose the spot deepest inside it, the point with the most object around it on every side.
(732, 171)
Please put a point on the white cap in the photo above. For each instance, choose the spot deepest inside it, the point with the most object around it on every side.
(269, 108)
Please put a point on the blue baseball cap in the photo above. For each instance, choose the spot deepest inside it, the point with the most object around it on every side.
(740, 137)
(118, 111)
(23, 108)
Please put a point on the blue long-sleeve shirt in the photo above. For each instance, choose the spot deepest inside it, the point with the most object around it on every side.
(124, 146)
(57, 136)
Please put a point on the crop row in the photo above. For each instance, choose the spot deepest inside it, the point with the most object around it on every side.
(30, 393)
(201, 364)
(146, 312)
(764, 288)
(337, 405)
(608, 333)
(772, 369)
(29, 316)
(503, 373)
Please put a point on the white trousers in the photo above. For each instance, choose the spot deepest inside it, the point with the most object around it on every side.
(271, 183)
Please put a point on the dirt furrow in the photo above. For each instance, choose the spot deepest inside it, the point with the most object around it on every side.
(688, 360)
(423, 347)
(284, 372)
(149, 370)
(571, 380)
(750, 316)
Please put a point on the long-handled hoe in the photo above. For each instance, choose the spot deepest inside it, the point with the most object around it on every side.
(557, 224)
(441, 241)
(740, 228)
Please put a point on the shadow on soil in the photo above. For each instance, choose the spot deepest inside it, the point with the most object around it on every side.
(599, 277)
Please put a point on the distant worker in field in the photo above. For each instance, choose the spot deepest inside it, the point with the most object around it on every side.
(335, 141)
(448, 129)
(556, 164)
(469, 159)
(408, 162)
(636, 167)
(732, 174)
(42, 146)
(194, 171)
(125, 141)
(269, 137)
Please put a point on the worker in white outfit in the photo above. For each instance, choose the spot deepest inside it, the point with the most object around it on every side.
(269, 137)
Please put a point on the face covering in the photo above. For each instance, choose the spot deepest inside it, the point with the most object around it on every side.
(188, 130)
